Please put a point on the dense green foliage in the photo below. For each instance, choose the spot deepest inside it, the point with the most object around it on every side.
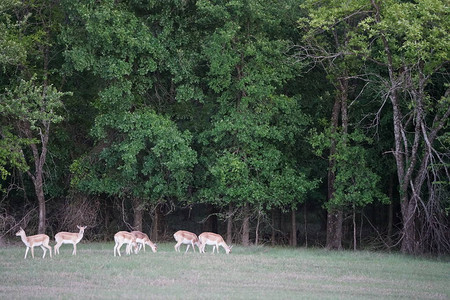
(229, 108)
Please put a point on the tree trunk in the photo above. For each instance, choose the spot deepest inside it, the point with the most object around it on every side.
(272, 238)
(409, 231)
(138, 213)
(334, 217)
(38, 176)
(106, 212)
(230, 224)
(405, 157)
(406, 161)
(39, 189)
(354, 227)
(293, 228)
(155, 223)
(390, 211)
(257, 229)
(246, 226)
(334, 229)
(306, 224)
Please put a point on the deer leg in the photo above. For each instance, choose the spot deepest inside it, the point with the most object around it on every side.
(115, 248)
(45, 251)
(177, 247)
(118, 248)
(57, 247)
(49, 248)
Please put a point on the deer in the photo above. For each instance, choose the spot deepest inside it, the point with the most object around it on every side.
(69, 238)
(188, 238)
(142, 239)
(124, 237)
(209, 238)
(33, 241)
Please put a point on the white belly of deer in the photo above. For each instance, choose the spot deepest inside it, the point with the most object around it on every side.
(186, 241)
(211, 243)
(35, 244)
(70, 241)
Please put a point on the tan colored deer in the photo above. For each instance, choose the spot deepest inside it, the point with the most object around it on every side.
(214, 239)
(69, 238)
(142, 239)
(33, 241)
(186, 237)
(124, 237)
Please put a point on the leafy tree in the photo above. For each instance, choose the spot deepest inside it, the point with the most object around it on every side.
(32, 109)
(148, 160)
(13, 48)
(325, 43)
(411, 44)
(29, 106)
(10, 153)
(356, 183)
(111, 45)
(143, 157)
(13, 53)
(406, 41)
(252, 122)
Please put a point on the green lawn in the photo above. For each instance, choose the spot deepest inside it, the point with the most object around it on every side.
(247, 273)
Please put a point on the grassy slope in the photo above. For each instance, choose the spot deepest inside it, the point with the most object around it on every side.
(255, 273)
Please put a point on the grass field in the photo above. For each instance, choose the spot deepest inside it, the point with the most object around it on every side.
(247, 273)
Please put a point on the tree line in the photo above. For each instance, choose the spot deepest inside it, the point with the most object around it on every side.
(244, 115)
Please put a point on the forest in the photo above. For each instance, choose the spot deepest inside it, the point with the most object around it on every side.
(290, 122)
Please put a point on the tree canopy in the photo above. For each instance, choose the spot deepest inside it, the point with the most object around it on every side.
(230, 116)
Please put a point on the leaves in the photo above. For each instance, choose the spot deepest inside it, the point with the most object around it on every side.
(33, 103)
(209, 101)
(147, 157)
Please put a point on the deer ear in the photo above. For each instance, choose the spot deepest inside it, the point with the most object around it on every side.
(231, 246)
(21, 228)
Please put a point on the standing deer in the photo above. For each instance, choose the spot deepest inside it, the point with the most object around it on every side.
(124, 237)
(186, 237)
(69, 238)
(209, 238)
(142, 239)
(33, 241)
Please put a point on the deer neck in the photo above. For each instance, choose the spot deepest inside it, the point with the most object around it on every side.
(80, 236)
(24, 239)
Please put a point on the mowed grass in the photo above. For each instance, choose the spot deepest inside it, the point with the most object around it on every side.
(247, 273)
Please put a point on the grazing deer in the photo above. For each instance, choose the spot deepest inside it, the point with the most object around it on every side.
(69, 238)
(188, 238)
(142, 239)
(209, 238)
(124, 237)
(33, 241)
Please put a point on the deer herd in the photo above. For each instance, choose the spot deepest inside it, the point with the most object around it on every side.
(134, 240)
